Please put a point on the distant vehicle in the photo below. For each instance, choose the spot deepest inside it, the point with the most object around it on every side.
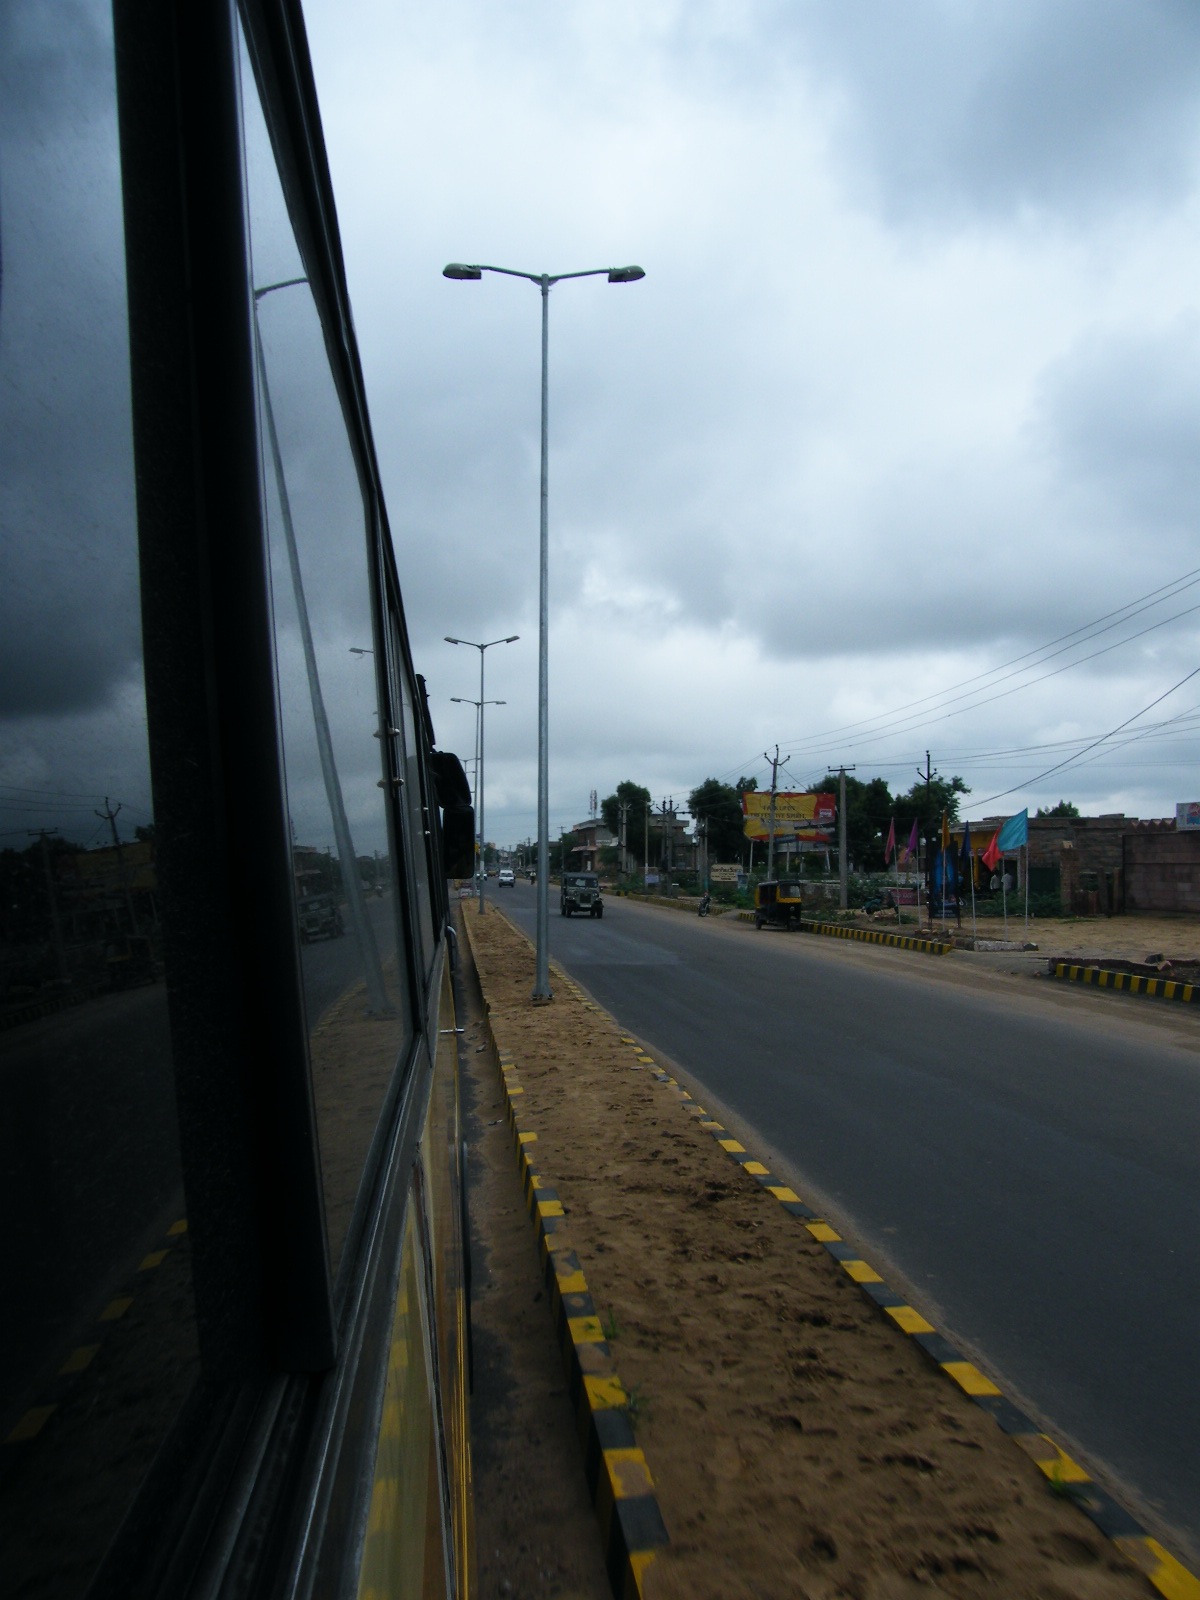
(778, 903)
(580, 892)
(130, 962)
(507, 877)
(320, 918)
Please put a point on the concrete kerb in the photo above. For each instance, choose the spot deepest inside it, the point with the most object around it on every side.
(1065, 1475)
(1127, 982)
(618, 1476)
(896, 941)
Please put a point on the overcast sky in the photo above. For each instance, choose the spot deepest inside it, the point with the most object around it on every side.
(895, 448)
(910, 392)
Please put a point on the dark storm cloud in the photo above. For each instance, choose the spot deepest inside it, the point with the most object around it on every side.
(1122, 413)
(66, 487)
(1067, 107)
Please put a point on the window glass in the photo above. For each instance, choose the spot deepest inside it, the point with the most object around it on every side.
(417, 810)
(317, 529)
(407, 1549)
(98, 1346)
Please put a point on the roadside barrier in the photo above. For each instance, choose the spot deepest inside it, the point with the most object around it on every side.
(898, 941)
(618, 1476)
(1065, 1476)
(1128, 982)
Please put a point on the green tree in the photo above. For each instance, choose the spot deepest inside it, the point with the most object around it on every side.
(638, 801)
(560, 852)
(869, 811)
(718, 806)
(1064, 808)
(928, 803)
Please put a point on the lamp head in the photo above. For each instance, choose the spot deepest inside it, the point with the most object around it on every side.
(621, 274)
(457, 270)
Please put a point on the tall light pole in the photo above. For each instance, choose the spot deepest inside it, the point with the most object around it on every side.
(377, 1001)
(461, 700)
(545, 282)
(481, 702)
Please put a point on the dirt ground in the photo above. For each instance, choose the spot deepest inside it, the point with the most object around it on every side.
(800, 1444)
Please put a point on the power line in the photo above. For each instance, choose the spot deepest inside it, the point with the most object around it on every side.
(1050, 771)
(1089, 630)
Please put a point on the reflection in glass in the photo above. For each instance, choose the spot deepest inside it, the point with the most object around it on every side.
(317, 530)
(97, 1324)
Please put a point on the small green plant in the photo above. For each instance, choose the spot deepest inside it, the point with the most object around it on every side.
(609, 1328)
(637, 1407)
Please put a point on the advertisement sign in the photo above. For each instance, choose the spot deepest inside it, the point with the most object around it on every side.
(1187, 815)
(723, 872)
(108, 871)
(803, 818)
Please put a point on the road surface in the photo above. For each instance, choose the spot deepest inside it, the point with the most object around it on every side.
(1025, 1160)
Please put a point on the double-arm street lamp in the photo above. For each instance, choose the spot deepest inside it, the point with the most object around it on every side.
(545, 282)
(480, 703)
(463, 700)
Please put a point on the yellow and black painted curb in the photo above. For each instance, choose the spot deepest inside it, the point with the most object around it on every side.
(30, 1424)
(1065, 1476)
(631, 1525)
(897, 941)
(1128, 982)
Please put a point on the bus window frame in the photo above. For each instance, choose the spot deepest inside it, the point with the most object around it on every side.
(282, 1432)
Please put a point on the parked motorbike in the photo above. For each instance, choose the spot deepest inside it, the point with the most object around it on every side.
(705, 902)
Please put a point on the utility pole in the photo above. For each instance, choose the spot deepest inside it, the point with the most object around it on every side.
(624, 810)
(927, 777)
(776, 763)
(60, 949)
(646, 844)
(110, 816)
(843, 865)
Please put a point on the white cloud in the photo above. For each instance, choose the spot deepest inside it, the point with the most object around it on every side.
(907, 391)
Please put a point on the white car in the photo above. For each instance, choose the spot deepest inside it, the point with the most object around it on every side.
(507, 877)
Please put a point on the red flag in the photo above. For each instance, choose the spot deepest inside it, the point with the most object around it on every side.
(889, 849)
(991, 856)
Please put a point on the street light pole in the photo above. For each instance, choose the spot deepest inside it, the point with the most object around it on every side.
(545, 282)
(481, 702)
(378, 1003)
(461, 700)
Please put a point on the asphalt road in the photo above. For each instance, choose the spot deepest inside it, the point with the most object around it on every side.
(1025, 1162)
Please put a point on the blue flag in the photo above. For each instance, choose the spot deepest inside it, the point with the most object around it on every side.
(1015, 832)
(966, 849)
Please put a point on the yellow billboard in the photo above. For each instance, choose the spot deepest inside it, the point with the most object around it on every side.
(802, 818)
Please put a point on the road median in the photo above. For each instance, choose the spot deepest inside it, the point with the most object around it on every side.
(799, 1439)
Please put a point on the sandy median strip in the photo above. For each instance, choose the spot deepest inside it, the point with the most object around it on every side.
(800, 1444)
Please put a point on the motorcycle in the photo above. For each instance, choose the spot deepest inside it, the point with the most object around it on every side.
(705, 902)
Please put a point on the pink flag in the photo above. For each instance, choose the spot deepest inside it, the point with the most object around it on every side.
(889, 848)
(910, 848)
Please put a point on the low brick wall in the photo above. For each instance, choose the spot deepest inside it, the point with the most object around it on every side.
(1162, 871)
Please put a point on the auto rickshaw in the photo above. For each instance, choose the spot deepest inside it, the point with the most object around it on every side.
(778, 902)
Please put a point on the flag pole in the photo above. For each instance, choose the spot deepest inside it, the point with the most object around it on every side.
(971, 870)
(1027, 889)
